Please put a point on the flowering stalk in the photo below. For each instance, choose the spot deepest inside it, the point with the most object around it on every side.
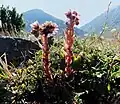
(73, 19)
(45, 29)
(45, 55)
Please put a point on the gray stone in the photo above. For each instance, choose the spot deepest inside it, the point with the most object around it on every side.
(17, 48)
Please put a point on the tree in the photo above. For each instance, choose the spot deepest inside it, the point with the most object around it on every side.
(12, 22)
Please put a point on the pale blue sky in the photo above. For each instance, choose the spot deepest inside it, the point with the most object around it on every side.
(88, 9)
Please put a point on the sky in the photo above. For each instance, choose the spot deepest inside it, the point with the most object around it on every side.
(88, 9)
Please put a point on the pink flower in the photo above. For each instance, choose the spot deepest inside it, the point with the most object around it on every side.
(35, 25)
(48, 28)
(73, 18)
(74, 12)
(68, 14)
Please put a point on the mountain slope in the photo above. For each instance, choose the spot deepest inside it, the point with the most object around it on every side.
(112, 20)
(39, 15)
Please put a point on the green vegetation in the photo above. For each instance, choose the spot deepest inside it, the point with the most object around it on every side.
(96, 64)
(12, 22)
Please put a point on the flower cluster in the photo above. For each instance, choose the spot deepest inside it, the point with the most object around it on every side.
(73, 19)
(48, 28)
(35, 28)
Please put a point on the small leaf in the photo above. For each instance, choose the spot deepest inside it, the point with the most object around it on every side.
(108, 87)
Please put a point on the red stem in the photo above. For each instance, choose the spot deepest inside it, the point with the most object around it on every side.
(69, 39)
(45, 56)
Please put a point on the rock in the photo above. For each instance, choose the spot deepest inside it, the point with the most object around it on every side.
(17, 48)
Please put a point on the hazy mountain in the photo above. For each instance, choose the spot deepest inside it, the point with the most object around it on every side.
(112, 19)
(39, 15)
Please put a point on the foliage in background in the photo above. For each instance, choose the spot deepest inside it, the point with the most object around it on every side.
(12, 22)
